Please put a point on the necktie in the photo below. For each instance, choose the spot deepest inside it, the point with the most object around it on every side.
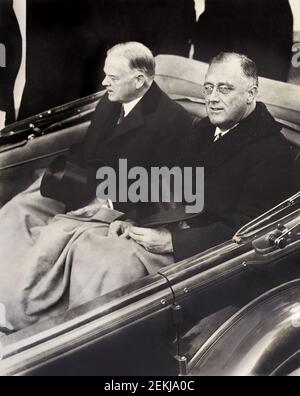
(218, 136)
(122, 116)
(219, 133)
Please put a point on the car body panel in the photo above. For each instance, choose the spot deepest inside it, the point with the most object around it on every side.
(258, 339)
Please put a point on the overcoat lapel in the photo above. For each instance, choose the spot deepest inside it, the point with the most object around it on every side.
(133, 121)
(102, 127)
(245, 133)
(136, 118)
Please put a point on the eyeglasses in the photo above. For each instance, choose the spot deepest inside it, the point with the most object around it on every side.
(221, 89)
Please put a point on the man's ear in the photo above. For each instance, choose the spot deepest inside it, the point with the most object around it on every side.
(252, 93)
(140, 81)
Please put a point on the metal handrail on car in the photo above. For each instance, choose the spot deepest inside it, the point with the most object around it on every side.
(263, 221)
(45, 121)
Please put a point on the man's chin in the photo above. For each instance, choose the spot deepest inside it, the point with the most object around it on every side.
(215, 120)
(112, 98)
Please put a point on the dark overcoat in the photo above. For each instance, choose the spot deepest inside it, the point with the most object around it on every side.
(149, 136)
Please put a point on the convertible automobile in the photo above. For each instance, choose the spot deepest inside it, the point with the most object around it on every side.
(231, 310)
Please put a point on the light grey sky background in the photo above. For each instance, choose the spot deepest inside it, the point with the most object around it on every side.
(295, 4)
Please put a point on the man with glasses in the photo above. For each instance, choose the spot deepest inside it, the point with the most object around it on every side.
(247, 162)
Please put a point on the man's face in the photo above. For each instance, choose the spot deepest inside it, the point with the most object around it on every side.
(227, 94)
(120, 81)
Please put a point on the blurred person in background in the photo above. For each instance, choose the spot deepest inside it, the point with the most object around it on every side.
(165, 26)
(261, 29)
(11, 52)
(67, 42)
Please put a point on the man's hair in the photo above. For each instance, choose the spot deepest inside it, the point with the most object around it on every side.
(248, 66)
(139, 56)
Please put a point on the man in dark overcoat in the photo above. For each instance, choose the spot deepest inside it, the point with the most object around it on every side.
(247, 162)
(135, 121)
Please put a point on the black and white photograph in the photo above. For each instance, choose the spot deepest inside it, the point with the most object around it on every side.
(149, 190)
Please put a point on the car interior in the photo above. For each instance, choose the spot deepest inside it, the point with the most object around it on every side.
(30, 145)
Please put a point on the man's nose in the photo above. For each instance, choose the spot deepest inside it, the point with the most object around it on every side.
(105, 82)
(214, 96)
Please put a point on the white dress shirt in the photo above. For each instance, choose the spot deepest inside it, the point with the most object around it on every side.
(219, 133)
(130, 105)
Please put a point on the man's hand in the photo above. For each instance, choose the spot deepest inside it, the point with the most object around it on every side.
(157, 240)
(89, 210)
(120, 229)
